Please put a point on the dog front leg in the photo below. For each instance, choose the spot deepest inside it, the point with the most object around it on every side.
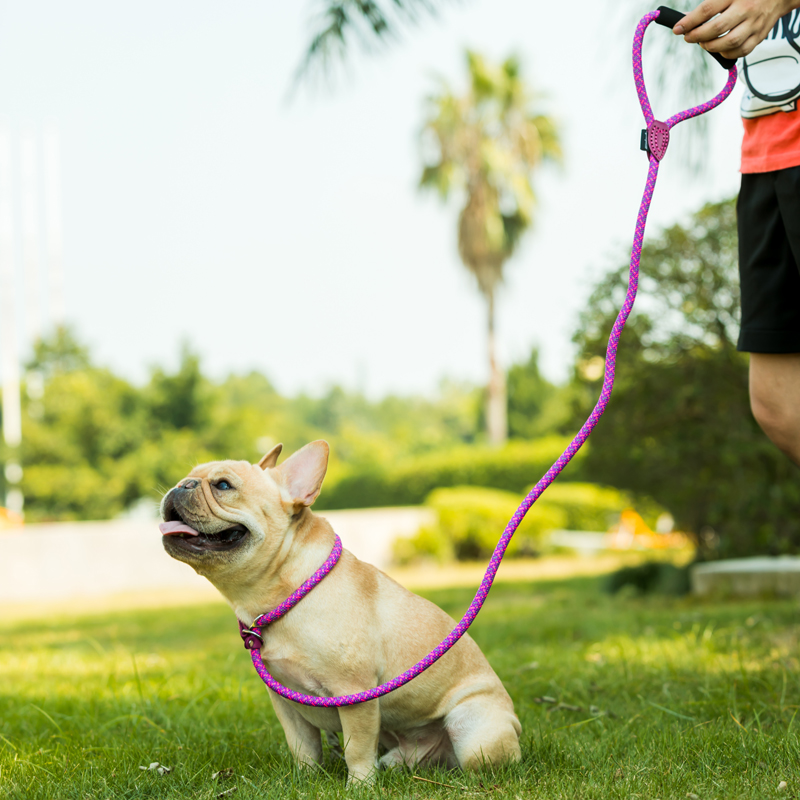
(361, 728)
(304, 740)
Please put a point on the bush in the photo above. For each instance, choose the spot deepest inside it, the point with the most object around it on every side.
(409, 482)
(471, 520)
(652, 577)
(587, 506)
(679, 427)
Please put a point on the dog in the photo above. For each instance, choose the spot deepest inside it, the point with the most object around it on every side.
(248, 528)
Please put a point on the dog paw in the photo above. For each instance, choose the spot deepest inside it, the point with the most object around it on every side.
(362, 775)
(366, 779)
(392, 759)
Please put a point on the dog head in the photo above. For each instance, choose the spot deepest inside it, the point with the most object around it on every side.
(228, 514)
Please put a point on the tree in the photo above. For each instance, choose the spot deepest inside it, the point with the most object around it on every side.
(684, 73)
(678, 427)
(485, 144)
(95, 445)
(529, 398)
(60, 353)
(372, 22)
(78, 428)
(182, 399)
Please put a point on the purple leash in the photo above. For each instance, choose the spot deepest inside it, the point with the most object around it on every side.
(655, 140)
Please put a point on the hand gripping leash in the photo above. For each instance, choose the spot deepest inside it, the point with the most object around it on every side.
(654, 140)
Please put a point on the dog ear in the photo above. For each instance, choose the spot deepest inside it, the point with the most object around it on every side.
(271, 458)
(302, 473)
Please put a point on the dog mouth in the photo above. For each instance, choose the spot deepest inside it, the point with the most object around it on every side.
(179, 533)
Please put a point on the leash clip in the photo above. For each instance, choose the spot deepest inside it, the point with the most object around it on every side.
(253, 640)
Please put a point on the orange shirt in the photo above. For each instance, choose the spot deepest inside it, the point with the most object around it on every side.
(771, 142)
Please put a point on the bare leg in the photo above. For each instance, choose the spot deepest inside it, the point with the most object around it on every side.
(775, 398)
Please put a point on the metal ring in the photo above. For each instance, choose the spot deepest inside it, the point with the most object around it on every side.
(250, 632)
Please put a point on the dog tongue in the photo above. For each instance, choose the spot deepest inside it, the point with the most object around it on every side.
(170, 528)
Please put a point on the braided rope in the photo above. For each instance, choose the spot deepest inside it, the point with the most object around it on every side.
(550, 475)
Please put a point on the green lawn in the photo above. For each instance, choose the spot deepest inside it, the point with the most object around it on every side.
(618, 697)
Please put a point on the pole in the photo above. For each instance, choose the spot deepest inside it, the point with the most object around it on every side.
(9, 356)
(30, 236)
(54, 224)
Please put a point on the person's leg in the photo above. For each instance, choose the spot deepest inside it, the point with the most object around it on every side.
(775, 398)
(769, 254)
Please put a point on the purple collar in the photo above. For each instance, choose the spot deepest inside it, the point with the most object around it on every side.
(252, 636)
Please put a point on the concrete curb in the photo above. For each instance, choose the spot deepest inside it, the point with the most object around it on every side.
(748, 577)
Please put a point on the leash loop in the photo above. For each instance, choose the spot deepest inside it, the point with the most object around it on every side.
(656, 136)
(656, 150)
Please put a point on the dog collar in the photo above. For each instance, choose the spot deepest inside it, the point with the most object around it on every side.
(253, 640)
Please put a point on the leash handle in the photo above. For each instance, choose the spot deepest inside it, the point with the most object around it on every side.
(657, 140)
(669, 18)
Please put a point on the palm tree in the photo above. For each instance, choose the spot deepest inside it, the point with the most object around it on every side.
(686, 74)
(371, 22)
(484, 146)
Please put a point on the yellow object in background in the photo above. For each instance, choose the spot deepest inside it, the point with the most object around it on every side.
(9, 519)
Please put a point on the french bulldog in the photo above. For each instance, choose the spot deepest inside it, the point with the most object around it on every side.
(249, 529)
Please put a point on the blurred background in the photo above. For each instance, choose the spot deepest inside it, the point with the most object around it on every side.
(402, 227)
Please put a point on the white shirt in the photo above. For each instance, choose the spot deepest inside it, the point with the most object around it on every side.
(771, 73)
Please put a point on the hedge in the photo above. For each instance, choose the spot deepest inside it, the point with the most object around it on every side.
(587, 506)
(471, 519)
(469, 522)
(510, 468)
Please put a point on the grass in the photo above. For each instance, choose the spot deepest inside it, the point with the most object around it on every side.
(618, 697)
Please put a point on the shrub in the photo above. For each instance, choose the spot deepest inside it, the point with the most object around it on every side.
(680, 427)
(652, 577)
(587, 506)
(410, 481)
(471, 520)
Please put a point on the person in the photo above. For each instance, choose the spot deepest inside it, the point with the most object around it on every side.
(763, 33)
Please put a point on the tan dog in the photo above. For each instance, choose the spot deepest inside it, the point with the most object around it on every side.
(248, 529)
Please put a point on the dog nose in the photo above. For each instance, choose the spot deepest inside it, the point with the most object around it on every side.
(190, 484)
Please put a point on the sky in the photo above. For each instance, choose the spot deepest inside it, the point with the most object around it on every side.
(205, 202)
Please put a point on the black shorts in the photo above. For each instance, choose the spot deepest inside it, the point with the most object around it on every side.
(769, 259)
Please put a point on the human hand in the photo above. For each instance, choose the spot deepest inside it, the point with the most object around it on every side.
(732, 27)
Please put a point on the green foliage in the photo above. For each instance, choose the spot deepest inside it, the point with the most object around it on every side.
(469, 522)
(529, 393)
(371, 22)
(679, 426)
(485, 144)
(649, 702)
(94, 444)
(471, 519)
(411, 480)
(74, 440)
(429, 543)
(652, 577)
(181, 399)
(60, 353)
(586, 506)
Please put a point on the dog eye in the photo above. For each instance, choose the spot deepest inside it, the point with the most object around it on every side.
(223, 485)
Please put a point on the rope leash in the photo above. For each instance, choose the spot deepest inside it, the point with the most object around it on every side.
(655, 140)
